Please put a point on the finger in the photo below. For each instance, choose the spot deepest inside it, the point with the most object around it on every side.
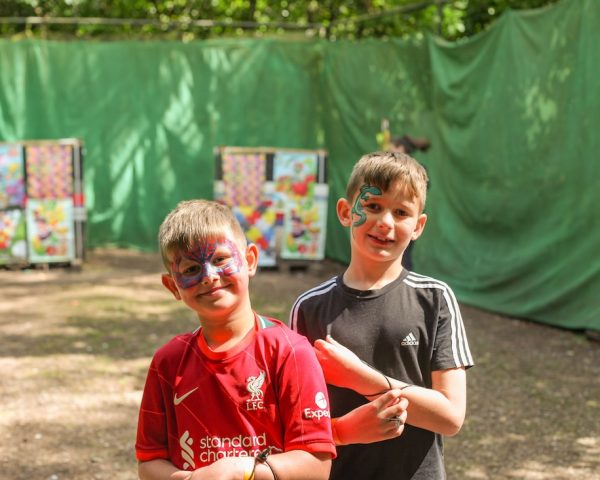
(395, 412)
(388, 398)
(325, 346)
(331, 340)
(394, 426)
(322, 349)
(318, 353)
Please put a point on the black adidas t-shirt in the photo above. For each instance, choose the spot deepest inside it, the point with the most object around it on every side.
(407, 329)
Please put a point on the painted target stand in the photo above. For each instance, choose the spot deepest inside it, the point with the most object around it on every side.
(42, 204)
(280, 197)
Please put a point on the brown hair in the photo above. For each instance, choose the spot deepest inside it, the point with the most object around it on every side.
(381, 169)
(196, 220)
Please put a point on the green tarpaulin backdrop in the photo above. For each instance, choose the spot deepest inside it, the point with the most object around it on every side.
(513, 115)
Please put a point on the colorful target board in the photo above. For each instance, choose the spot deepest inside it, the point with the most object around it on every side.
(280, 198)
(42, 213)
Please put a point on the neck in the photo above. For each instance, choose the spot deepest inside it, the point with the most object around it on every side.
(221, 336)
(373, 276)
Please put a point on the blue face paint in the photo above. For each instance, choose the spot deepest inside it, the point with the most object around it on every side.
(206, 260)
(364, 196)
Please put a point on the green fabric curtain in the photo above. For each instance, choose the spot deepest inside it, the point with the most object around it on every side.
(511, 114)
(516, 174)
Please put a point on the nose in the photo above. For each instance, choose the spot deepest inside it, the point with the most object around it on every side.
(386, 221)
(209, 274)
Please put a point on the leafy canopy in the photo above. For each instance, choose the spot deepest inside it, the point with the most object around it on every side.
(200, 19)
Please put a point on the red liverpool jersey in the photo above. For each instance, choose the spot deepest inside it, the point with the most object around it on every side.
(199, 406)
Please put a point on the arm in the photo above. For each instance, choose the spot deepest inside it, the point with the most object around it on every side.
(160, 469)
(440, 409)
(292, 465)
(370, 422)
(295, 465)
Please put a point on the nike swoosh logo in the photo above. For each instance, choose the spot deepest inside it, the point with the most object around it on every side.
(177, 401)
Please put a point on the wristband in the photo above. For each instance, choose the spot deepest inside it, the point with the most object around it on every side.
(248, 473)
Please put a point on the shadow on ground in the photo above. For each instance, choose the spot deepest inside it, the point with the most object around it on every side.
(75, 348)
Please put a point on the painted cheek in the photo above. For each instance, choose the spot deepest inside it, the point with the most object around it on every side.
(231, 268)
(234, 265)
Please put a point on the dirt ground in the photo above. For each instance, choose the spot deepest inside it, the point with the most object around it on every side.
(75, 346)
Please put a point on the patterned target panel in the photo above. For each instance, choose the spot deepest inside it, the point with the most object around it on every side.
(13, 243)
(243, 177)
(12, 176)
(49, 171)
(50, 233)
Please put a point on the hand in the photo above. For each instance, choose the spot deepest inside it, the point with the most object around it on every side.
(378, 420)
(342, 367)
(181, 475)
(228, 468)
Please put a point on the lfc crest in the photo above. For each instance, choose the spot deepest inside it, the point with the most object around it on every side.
(255, 384)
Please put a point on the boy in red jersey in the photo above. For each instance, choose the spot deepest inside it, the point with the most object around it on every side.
(218, 400)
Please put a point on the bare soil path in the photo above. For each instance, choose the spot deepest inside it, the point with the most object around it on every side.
(75, 346)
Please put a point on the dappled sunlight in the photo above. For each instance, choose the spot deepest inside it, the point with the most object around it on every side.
(75, 349)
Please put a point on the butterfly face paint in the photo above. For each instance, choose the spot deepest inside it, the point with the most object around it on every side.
(366, 191)
(206, 260)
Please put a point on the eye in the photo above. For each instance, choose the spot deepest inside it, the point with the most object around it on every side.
(191, 270)
(402, 213)
(221, 259)
(223, 253)
(372, 207)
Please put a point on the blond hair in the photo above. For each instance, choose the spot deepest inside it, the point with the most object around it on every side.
(193, 221)
(382, 169)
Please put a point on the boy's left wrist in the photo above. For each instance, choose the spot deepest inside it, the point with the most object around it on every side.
(373, 382)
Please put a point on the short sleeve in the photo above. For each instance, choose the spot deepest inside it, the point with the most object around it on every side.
(152, 438)
(451, 345)
(303, 401)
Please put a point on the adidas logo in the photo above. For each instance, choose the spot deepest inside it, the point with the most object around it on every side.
(410, 339)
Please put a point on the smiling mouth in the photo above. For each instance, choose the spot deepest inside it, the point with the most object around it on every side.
(212, 290)
(381, 240)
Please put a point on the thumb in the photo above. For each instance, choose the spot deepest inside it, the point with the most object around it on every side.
(331, 340)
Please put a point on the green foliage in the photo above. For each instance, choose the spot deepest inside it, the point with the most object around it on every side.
(200, 19)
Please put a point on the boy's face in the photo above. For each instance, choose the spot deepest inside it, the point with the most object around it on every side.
(381, 223)
(212, 277)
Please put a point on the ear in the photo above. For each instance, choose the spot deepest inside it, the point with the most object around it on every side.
(252, 258)
(169, 283)
(419, 227)
(344, 212)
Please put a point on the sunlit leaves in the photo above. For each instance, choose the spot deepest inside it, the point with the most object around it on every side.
(191, 19)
